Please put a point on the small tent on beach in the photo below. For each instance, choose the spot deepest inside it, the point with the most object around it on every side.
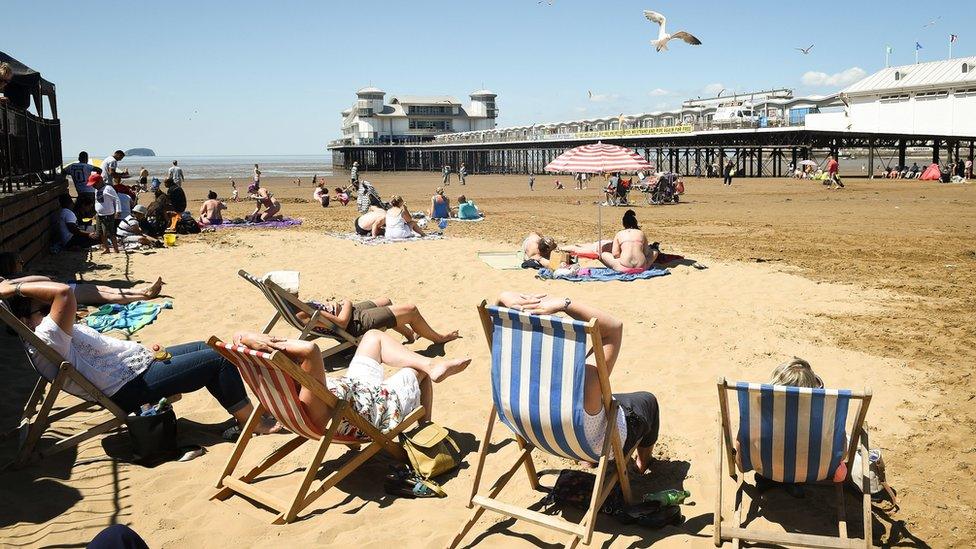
(932, 173)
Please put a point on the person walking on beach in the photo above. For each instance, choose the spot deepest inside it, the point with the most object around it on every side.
(79, 172)
(531, 181)
(110, 167)
(579, 181)
(832, 173)
(462, 173)
(176, 174)
(354, 175)
(727, 172)
(107, 212)
(143, 179)
(969, 169)
(446, 172)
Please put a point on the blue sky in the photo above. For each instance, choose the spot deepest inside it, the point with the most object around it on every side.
(247, 77)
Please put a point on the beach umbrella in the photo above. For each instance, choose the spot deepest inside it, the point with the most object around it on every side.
(807, 163)
(599, 158)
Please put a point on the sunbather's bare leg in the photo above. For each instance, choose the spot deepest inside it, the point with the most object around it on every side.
(408, 334)
(614, 263)
(264, 426)
(643, 460)
(384, 349)
(409, 314)
(416, 228)
(92, 294)
(426, 395)
(590, 247)
(382, 302)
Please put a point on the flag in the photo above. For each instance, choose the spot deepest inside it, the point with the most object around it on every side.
(917, 46)
(888, 49)
(953, 38)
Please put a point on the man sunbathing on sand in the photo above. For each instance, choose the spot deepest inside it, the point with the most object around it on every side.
(371, 223)
(539, 248)
(210, 210)
(384, 402)
(638, 416)
(11, 269)
(378, 314)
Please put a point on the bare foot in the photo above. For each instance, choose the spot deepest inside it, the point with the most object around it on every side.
(409, 336)
(449, 337)
(152, 292)
(643, 459)
(268, 426)
(443, 370)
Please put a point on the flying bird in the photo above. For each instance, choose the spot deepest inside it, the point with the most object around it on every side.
(805, 51)
(932, 22)
(663, 37)
(589, 94)
(545, 2)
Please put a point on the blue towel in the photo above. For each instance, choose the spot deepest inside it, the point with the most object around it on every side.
(128, 318)
(603, 275)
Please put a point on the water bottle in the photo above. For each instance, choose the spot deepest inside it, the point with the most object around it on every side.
(667, 497)
(442, 224)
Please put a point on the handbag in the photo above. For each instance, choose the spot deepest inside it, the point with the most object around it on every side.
(877, 477)
(431, 450)
(153, 437)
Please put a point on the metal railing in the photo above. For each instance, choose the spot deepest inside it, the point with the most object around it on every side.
(30, 148)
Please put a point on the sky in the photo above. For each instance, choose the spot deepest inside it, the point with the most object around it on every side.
(270, 78)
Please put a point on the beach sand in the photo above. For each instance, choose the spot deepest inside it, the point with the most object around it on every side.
(873, 285)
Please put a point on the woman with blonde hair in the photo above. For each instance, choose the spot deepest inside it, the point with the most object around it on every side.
(796, 373)
(399, 224)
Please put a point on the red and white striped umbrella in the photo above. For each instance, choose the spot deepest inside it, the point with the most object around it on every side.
(599, 158)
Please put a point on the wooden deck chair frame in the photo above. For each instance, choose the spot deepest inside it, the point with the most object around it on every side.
(244, 484)
(734, 531)
(271, 291)
(606, 478)
(39, 419)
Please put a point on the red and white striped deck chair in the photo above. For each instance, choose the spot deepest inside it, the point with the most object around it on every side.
(276, 380)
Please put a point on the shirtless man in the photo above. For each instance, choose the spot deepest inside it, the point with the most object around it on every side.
(371, 223)
(378, 314)
(538, 247)
(630, 249)
(210, 210)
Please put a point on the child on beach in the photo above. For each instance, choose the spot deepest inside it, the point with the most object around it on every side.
(233, 190)
(531, 181)
(341, 196)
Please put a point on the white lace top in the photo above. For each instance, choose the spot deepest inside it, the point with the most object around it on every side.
(106, 362)
(595, 427)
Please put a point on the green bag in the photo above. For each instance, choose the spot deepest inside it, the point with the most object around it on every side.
(431, 450)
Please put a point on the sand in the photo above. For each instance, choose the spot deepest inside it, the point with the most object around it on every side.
(873, 285)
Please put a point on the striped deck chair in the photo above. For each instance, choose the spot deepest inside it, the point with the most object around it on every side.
(538, 365)
(275, 379)
(791, 435)
(68, 380)
(286, 305)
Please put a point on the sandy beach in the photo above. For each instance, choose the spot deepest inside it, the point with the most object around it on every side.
(874, 285)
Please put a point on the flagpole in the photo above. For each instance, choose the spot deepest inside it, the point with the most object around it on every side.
(887, 53)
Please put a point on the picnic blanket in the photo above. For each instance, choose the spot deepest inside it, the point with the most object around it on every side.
(503, 261)
(128, 318)
(601, 275)
(371, 241)
(286, 222)
(662, 259)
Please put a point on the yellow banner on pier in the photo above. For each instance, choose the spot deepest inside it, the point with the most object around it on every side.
(633, 132)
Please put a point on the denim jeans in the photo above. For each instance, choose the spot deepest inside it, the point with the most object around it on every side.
(193, 366)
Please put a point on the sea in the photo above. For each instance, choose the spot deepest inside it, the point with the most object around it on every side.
(237, 167)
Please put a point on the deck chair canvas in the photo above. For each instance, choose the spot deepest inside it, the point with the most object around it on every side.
(68, 380)
(791, 434)
(275, 379)
(537, 371)
(285, 304)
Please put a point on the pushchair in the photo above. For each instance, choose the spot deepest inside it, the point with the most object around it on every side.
(665, 190)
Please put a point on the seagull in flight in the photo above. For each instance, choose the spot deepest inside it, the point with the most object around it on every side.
(932, 22)
(545, 2)
(663, 37)
(805, 51)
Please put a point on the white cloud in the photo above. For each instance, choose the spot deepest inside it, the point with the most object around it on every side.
(842, 78)
(603, 97)
(658, 92)
(713, 89)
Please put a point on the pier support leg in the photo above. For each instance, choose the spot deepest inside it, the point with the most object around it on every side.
(936, 144)
(870, 160)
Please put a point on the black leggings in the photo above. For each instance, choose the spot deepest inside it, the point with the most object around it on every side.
(728, 179)
(643, 419)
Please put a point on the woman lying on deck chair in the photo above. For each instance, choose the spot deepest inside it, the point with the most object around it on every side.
(638, 417)
(11, 268)
(384, 402)
(128, 373)
(378, 314)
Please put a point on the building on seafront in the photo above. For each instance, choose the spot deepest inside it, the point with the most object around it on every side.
(413, 118)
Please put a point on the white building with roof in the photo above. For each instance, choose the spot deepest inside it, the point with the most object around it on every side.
(412, 118)
(934, 98)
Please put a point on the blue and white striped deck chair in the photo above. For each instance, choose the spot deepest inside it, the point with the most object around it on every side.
(538, 365)
(287, 305)
(791, 435)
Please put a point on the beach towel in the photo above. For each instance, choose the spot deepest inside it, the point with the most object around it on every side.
(468, 220)
(128, 318)
(662, 259)
(502, 261)
(371, 241)
(286, 222)
(601, 275)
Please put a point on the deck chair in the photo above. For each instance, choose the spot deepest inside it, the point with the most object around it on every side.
(537, 371)
(791, 434)
(275, 379)
(68, 380)
(286, 304)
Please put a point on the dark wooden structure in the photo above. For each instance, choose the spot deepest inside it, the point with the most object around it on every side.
(755, 152)
(27, 219)
(30, 142)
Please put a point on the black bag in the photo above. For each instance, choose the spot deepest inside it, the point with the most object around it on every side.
(187, 225)
(153, 438)
(575, 488)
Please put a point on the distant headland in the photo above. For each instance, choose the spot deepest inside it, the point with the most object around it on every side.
(140, 152)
